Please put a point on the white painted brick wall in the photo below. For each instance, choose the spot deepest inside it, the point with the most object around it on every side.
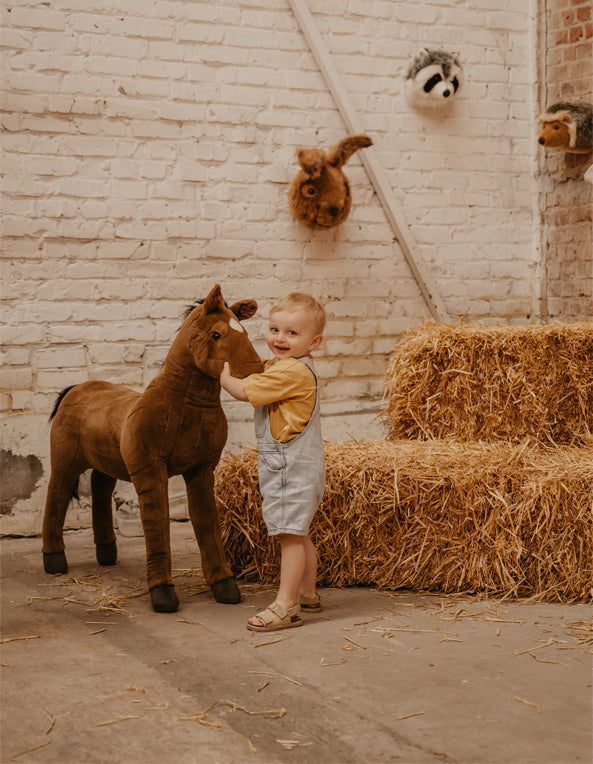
(147, 151)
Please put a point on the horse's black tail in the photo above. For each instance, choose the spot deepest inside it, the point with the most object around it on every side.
(59, 399)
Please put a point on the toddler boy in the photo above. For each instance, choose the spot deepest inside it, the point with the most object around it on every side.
(291, 461)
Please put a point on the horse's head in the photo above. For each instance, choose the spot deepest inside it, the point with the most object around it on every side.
(215, 336)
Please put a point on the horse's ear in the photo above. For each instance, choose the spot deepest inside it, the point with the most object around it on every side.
(244, 309)
(214, 302)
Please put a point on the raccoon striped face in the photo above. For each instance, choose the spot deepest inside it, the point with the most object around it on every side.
(438, 83)
(433, 79)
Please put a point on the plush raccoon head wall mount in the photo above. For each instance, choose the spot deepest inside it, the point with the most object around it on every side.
(433, 79)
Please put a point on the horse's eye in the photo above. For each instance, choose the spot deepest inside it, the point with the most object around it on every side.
(216, 336)
(309, 190)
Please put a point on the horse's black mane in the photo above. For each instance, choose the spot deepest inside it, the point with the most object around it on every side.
(195, 304)
(189, 308)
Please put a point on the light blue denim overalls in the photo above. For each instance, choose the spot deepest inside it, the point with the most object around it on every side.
(291, 474)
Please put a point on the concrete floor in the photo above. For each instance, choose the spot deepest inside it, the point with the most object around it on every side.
(91, 674)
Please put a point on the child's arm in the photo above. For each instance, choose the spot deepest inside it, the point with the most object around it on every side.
(233, 385)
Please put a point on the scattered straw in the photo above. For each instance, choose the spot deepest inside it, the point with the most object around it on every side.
(200, 716)
(52, 721)
(549, 643)
(408, 716)
(108, 593)
(357, 644)
(282, 676)
(16, 639)
(539, 660)
(529, 703)
(288, 745)
(115, 721)
(271, 642)
(29, 750)
(274, 713)
(582, 630)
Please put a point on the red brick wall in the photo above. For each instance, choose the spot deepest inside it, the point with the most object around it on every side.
(567, 198)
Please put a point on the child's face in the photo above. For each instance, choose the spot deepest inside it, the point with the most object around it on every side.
(292, 334)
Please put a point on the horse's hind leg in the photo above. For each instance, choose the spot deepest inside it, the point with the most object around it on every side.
(102, 490)
(59, 492)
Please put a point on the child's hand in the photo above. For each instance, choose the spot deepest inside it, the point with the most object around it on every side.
(225, 373)
(231, 384)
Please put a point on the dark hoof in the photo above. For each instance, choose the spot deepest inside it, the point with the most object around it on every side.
(226, 591)
(164, 599)
(55, 562)
(106, 553)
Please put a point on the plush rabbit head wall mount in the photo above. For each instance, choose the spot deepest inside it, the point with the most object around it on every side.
(319, 195)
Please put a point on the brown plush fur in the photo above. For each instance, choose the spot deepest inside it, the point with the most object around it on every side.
(319, 195)
(176, 426)
(567, 127)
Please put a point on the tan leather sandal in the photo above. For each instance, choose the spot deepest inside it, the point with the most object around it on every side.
(275, 617)
(311, 604)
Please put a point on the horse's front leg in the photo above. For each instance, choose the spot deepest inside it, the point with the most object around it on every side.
(204, 517)
(151, 485)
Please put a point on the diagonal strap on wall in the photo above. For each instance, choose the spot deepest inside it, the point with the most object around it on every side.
(369, 158)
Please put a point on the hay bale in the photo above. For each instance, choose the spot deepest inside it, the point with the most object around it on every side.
(492, 383)
(503, 519)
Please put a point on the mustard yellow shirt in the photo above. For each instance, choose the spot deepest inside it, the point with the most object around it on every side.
(287, 387)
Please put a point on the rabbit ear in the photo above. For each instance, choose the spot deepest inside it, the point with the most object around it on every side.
(342, 152)
(312, 161)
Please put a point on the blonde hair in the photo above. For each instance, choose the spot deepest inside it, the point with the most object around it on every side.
(302, 301)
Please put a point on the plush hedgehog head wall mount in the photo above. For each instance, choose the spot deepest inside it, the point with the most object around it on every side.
(433, 79)
(567, 127)
(319, 195)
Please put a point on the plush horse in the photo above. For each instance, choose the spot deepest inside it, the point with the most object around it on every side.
(176, 426)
